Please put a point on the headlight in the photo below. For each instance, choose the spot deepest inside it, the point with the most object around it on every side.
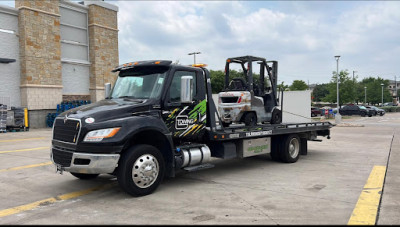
(99, 135)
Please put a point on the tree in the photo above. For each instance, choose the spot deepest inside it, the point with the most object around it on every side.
(282, 86)
(346, 91)
(374, 90)
(319, 92)
(217, 81)
(298, 85)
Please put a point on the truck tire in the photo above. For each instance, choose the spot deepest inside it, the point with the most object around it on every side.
(250, 119)
(85, 176)
(276, 117)
(290, 148)
(141, 170)
(226, 124)
(362, 114)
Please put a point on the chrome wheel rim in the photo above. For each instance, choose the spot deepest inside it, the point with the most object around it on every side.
(145, 171)
(294, 147)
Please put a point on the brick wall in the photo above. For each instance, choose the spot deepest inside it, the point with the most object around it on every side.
(69, 98)
(40, 53)
(103, 52)
(40, 97)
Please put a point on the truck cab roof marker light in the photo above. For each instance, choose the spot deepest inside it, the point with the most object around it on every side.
(199, 65)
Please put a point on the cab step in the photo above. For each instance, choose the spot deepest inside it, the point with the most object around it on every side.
(199, 167)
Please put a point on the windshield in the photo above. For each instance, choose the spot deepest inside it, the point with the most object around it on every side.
(362, 107)
(140, 83)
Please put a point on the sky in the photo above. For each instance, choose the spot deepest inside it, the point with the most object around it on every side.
(303, 36)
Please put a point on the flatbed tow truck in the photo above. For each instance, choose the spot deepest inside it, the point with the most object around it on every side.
(158, 119)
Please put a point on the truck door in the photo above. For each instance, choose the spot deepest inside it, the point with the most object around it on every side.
(186, 121)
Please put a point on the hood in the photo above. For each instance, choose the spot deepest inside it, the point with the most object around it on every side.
(108, 109)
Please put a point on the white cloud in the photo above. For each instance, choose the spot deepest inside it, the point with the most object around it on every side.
(302, 35)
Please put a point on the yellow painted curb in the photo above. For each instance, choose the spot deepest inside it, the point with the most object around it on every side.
(366, 208)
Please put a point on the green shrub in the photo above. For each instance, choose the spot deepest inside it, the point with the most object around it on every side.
(391, 108)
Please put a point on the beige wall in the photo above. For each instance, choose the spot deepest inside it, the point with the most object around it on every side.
(103, 48)
(40, 53)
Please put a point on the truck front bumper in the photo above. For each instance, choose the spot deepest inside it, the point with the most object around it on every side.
(77, 162)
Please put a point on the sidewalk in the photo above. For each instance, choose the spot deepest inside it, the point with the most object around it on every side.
(389, 212)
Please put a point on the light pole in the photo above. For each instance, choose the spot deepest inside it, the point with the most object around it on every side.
(338, 118)
(365, 99)
(354, 86)
(382, 93)
(194, 55)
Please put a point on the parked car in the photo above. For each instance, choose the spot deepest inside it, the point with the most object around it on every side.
(369, 113)
(371, 110)
(379, 111)
(315, 111)
(354, 110)
(389, 104)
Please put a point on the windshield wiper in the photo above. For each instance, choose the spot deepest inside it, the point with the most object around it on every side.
(126, 96)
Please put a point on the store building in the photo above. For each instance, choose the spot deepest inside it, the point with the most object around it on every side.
(56, 50)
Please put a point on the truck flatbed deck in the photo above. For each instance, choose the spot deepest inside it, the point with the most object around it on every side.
(242, 132)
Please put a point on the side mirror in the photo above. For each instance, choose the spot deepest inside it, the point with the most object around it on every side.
(107, 90)
(186, 89)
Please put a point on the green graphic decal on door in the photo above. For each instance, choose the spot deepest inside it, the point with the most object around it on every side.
(185, 123)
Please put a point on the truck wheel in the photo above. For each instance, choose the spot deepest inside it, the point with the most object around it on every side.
(85, 176)
(250, 119)
(290, 148)
(141, 170)
(276, 117)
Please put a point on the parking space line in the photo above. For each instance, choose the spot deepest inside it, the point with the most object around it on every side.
(28, 149)
(366, 209)
(38, 138)
(25, 167)
(51, 200)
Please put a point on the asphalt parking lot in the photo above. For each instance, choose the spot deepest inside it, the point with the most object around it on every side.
(325, 187)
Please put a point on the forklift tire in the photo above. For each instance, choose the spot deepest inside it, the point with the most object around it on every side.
(290, 148)
(141, 170)
(250, 119)
(276, 117)
(85, 176)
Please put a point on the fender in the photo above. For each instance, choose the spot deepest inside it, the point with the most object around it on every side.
(151, 130)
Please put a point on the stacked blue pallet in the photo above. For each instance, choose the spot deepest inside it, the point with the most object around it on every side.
(62, 107)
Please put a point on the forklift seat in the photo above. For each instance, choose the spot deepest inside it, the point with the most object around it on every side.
(268, 101)
(237, 84)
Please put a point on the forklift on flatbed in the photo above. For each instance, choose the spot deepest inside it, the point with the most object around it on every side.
(244, 101)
